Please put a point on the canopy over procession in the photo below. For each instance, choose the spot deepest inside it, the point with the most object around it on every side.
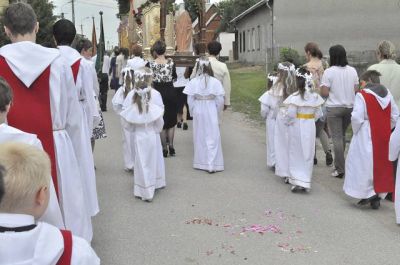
(167, 79)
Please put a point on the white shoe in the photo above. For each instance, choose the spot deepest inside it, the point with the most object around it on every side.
(335, 173)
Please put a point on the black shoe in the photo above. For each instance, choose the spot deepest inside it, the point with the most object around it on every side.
(315, 161)
(171, 151)
(366, 201)
(185, 126)
(376, 203)
(165, 153)
(179, 125)
(329, 158)
(104, 110)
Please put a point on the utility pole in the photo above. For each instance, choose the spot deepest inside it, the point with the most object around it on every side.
(73, 11)
(163, 18)
(62, 15)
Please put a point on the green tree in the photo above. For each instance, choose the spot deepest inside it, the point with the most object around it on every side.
(192, 7)
(229, 9)
(46, 18)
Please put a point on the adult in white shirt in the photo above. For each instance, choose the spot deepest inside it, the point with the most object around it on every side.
(136, 62)
(339, 83)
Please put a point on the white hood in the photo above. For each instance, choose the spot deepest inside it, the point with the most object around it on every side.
(383, 102)
(71, 55)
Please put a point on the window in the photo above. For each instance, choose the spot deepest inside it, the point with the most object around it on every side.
(249, 46)
(240, 42)
(244, 41)
(259, 38)
(253, 39)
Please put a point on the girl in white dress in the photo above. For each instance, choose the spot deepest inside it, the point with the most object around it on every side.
(304, 108)
(269, 103)
(145, 120)
(206, 101)
(118, 102)
(285, 86)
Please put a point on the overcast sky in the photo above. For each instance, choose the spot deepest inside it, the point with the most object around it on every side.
(86, 9)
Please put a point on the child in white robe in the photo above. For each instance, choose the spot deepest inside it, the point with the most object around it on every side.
(369, 173)
(269, 108)
(118, 103)
(286, 85)
(206, 102)
(24, 195)
(10, 134)
(145, 120)
(394, 154)
(304, 108)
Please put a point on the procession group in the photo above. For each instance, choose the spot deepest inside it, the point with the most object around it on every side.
(316, 100)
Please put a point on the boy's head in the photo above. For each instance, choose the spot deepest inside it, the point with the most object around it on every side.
(26, 179)
(370, 76)
(214, 48)
(85, 48)
(20, 21)
(6, 96)
(64, 32)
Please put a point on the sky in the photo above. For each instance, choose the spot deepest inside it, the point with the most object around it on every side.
(86, 9)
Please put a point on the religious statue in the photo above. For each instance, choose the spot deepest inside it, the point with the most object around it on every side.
(183, 30)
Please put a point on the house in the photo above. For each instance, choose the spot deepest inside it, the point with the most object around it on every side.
(358, 25)
(3, 4)
(213, 22)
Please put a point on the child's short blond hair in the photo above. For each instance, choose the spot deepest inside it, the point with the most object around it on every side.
(26, 170)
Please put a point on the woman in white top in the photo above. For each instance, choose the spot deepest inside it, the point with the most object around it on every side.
(339, 84)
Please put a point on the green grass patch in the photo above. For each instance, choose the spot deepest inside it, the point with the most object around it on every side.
(248, 84)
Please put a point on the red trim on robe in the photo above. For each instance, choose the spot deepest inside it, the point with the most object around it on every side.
(31, 111)
(75, 69)
(380, 124)
(65, 258)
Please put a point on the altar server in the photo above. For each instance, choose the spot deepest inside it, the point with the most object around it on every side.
(369, 173)
(44, 104)
(145, 120)
(304, 108)
(64, 33)
(24, 195)
(206, 102)
(269, 109)
(9, 134)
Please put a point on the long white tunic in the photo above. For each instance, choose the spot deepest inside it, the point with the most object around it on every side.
(146, 128)
(281, 142)
(63, 103)
(302, 114)
(43, 245)
(10, 134)
(206, 101)
(359, 182)
(269, 110)
(394, 154)
(80, 136)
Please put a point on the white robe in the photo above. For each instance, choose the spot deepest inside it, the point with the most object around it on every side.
(43, 245)
(281, 143)
(80, 135)
(146, 128)
(118, 104)
(206, 101)
(136, 63)
(10, 134)
(359, 181)
(269, 109)
(302, 136)
(394, 154)
(63, 103)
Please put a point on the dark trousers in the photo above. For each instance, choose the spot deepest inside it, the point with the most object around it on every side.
(103, 92)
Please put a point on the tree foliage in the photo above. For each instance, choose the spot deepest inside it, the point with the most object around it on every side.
(193, 8)
(46, 18)
(291, 55)
(229, 9)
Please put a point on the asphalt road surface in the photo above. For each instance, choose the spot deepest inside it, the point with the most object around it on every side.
(244, 215)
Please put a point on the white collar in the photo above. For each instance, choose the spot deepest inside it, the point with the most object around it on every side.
(16, 220)
(28, 60)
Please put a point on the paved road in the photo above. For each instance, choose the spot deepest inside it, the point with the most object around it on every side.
(244, 215)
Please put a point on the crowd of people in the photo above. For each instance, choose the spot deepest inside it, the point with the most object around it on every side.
(323, 101)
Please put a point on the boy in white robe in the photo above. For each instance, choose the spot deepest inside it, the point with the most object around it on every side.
(206, 102)
(44, 105)
(287, 86)
(394, 155)
(369, 173)
(9, 134)
(24, 196)
(145, 120)
(269, 109)
(64, 33)
(304, 108)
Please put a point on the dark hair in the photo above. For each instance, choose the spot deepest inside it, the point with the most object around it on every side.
(159, 47)
(49, 44)
(64, 32)
(320, 55)
(2, 188)
(83, 44)
(338, 56)
(20, 19)
(301, 81)
(125, 52)
(214, 47)
(6, 95)
(313, 49)
(371, 76)
(197, 48)
(117, 51)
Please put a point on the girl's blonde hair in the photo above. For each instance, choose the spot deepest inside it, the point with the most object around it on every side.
(143, 81)
(287, 78)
